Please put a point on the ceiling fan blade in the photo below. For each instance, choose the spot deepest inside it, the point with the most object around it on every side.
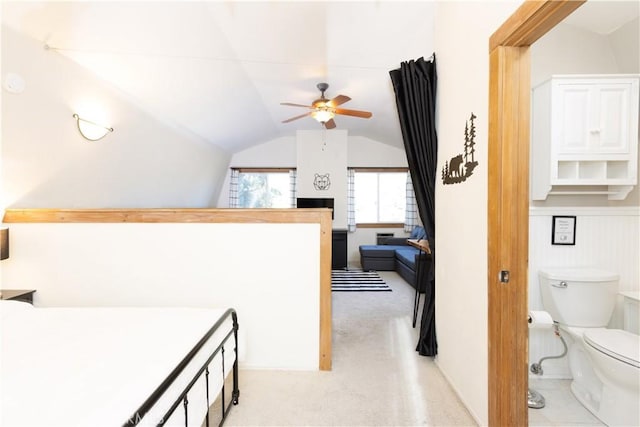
(330, 124)
(297, 117)
(338, 100)
(295, 105)
(354, 113)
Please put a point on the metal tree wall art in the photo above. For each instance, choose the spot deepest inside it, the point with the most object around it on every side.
(321, 182)
(461, 166)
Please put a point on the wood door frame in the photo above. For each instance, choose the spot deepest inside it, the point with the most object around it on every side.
(508, 204)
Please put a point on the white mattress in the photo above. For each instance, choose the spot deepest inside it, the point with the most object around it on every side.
(96, 366)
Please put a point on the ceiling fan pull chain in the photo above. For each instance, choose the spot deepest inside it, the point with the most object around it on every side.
(324, 138)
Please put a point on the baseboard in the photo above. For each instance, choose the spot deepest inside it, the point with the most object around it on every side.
(464, 402)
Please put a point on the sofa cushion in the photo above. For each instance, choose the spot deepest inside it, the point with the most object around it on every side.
(401, 258)
(393, 241)
(379, 251)
(378, 264)
(407, 256)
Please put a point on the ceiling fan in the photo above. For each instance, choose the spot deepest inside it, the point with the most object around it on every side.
(323, 109)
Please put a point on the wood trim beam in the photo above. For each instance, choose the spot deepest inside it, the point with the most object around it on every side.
(258, 216)
(307, 215)
(531, 21)
(326, 327)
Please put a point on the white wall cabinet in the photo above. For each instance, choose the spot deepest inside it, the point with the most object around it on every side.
(584, 136)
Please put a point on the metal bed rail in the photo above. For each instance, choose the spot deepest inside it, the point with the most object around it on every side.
(143, 410)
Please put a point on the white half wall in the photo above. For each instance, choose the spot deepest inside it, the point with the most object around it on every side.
(270, 273)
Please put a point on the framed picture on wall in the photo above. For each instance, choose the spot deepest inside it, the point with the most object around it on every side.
(563, 230)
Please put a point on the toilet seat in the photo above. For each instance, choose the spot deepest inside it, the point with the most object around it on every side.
(617, 343)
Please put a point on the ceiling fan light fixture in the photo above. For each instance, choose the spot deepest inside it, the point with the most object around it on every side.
(323, 114)
(324, 110)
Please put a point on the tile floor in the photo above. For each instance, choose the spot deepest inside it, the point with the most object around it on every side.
(561, 409)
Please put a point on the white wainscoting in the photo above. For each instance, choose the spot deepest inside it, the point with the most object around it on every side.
(606, 238)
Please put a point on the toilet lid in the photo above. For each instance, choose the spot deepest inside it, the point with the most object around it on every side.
(619, 344)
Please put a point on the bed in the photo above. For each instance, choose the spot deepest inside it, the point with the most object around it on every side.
(116, 366)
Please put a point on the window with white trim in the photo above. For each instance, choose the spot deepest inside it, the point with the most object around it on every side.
(380, 196)
(265, 188)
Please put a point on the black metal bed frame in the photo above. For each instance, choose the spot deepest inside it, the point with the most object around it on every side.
(140, 413)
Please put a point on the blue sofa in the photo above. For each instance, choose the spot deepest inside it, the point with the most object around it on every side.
(394, 253)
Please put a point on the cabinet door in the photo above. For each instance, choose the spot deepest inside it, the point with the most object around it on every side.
(611, 118)
(570, 118)
(591, 118)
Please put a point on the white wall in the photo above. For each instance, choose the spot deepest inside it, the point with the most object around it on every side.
(462, 33)
(556, 53)
(627, 58)
(462, 39)
(321, 154)
(2, 205)
(364, 152)
(274, 287)
(607, 234)
(461, 293)
(360, 152)
(607, 239)
(46, 162)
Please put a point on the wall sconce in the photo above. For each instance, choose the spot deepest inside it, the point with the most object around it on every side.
(91, 131)
(4, 243)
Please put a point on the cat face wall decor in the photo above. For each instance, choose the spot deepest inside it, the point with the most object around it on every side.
(321, 182)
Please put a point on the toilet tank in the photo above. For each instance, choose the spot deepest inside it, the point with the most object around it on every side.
(581, 297)
(631, 311)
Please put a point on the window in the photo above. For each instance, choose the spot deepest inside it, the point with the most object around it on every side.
(264, 188)
(380, 196)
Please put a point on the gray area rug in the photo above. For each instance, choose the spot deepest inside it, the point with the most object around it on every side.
(356, 280)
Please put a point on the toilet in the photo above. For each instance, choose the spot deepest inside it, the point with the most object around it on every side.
(604, 363)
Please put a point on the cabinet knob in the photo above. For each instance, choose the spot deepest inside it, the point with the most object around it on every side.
(595, 131)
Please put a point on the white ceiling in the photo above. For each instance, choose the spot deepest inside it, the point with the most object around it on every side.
(604, 16)
(221, 68)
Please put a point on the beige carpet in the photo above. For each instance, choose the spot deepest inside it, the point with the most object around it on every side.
(378, 379)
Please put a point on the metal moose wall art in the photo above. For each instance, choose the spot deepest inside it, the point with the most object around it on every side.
(460, 167)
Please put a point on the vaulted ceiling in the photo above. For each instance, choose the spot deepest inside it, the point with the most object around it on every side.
(220, 69)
